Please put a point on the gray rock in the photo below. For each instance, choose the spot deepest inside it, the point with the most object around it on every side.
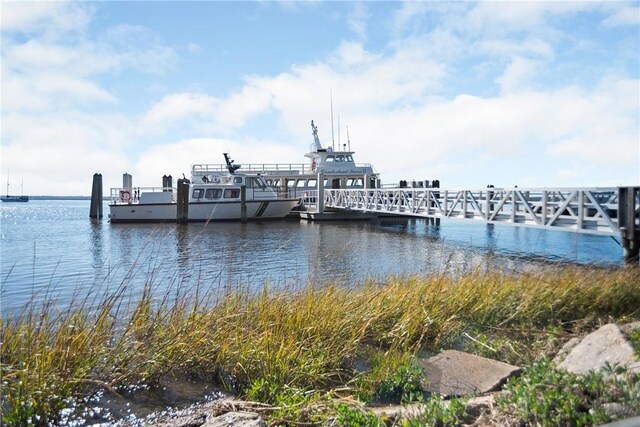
(627, 328)
(239, 419)
(606, 345)
(454, 373)
(565, 350)
(477, 406)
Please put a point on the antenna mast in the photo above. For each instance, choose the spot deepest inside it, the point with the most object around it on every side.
(333, 141)
(348, 140)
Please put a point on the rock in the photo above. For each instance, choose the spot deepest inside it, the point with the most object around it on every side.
(477, 406)
(627, 328)
(454, 373)
(565, 350)
(606, 345)
(239, 419)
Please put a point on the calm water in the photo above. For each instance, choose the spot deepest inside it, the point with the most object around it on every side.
(51, 249)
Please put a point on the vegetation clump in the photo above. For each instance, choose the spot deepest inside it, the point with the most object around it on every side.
(300, 349)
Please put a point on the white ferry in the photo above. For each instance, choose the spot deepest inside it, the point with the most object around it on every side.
(212, 197)
(296, 180)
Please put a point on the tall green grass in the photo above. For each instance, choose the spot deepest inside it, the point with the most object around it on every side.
(265, 344)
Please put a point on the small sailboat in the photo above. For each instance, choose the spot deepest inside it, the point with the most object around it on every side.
(11, 199)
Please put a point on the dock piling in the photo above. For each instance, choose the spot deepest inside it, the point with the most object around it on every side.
(95, 209)
(243, 204)
(182, 201)
(629, 230)
(320, 198)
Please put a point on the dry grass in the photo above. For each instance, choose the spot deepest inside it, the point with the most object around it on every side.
(307, 338)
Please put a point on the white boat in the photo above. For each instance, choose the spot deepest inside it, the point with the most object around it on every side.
(212, 197)
(338, 168)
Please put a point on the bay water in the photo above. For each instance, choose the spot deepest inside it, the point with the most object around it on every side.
(50, 249)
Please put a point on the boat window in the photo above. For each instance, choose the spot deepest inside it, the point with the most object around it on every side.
(312, 183)
(330, 158)
(197, 193)
(261, 182)
(339, 158)
(354, 182)
(255, 183)
(237, 180)
(349, 158)
(291, 183)
(213, 193)
(301, 183)
(231, 193)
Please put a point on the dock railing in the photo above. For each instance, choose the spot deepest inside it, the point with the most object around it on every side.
(612, 211)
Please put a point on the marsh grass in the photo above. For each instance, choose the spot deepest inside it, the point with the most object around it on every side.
(284, 346)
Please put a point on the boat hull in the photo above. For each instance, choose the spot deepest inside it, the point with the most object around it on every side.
(201, 211)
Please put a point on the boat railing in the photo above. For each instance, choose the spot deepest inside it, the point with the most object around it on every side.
(131, 195)
(265, 168)
(200, 170)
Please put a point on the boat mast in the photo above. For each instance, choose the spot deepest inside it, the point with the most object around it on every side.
(333, 141)
(7, 182)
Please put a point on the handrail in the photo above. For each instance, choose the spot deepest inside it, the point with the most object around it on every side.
(586, 210)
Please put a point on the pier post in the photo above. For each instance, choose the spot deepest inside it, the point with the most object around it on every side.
(320, 198)
(629, 230)
(182, 208)
(95, 209)
(243, 204)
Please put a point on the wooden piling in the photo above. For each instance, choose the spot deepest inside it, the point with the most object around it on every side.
(629, 230)
(243, 204)
(95, 208)
(182, 201)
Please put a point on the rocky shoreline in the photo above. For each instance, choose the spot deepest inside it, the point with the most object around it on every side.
(451, 373)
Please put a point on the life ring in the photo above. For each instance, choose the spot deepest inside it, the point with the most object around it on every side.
(125, 196)
(215, 178)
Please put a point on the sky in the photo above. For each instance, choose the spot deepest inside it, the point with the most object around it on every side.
(534, 94)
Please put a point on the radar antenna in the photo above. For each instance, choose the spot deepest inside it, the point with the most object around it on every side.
(316, 140)
(230, 166)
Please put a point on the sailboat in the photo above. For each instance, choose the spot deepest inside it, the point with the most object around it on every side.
(11, 199)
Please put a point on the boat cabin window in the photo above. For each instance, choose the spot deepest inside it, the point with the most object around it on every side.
(311, 183)
(339, 158)
(237, 180)
(301, 183)
(330, 158)
(231, 193)
(349, 158)
(354, 182)
(197, 193)
(255, 183)
(291, 183)
(213, 193)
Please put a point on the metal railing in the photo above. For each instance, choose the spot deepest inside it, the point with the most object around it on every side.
(129, 195)
(264, 168)
(585, 210)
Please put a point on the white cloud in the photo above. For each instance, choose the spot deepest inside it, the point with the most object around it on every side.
(518, 74)
(625, 16)
(51, 18)
(357, 19)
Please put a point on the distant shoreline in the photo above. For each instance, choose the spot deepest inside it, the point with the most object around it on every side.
(59, 197)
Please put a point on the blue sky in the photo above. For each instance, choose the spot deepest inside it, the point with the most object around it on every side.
(534, 94)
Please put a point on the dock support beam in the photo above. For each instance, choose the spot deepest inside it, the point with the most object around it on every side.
(320, 201)
(629, 230)
(95, 209)
(243, 204)
(182, 208)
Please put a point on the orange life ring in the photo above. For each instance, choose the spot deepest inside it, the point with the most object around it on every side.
(125, 196)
